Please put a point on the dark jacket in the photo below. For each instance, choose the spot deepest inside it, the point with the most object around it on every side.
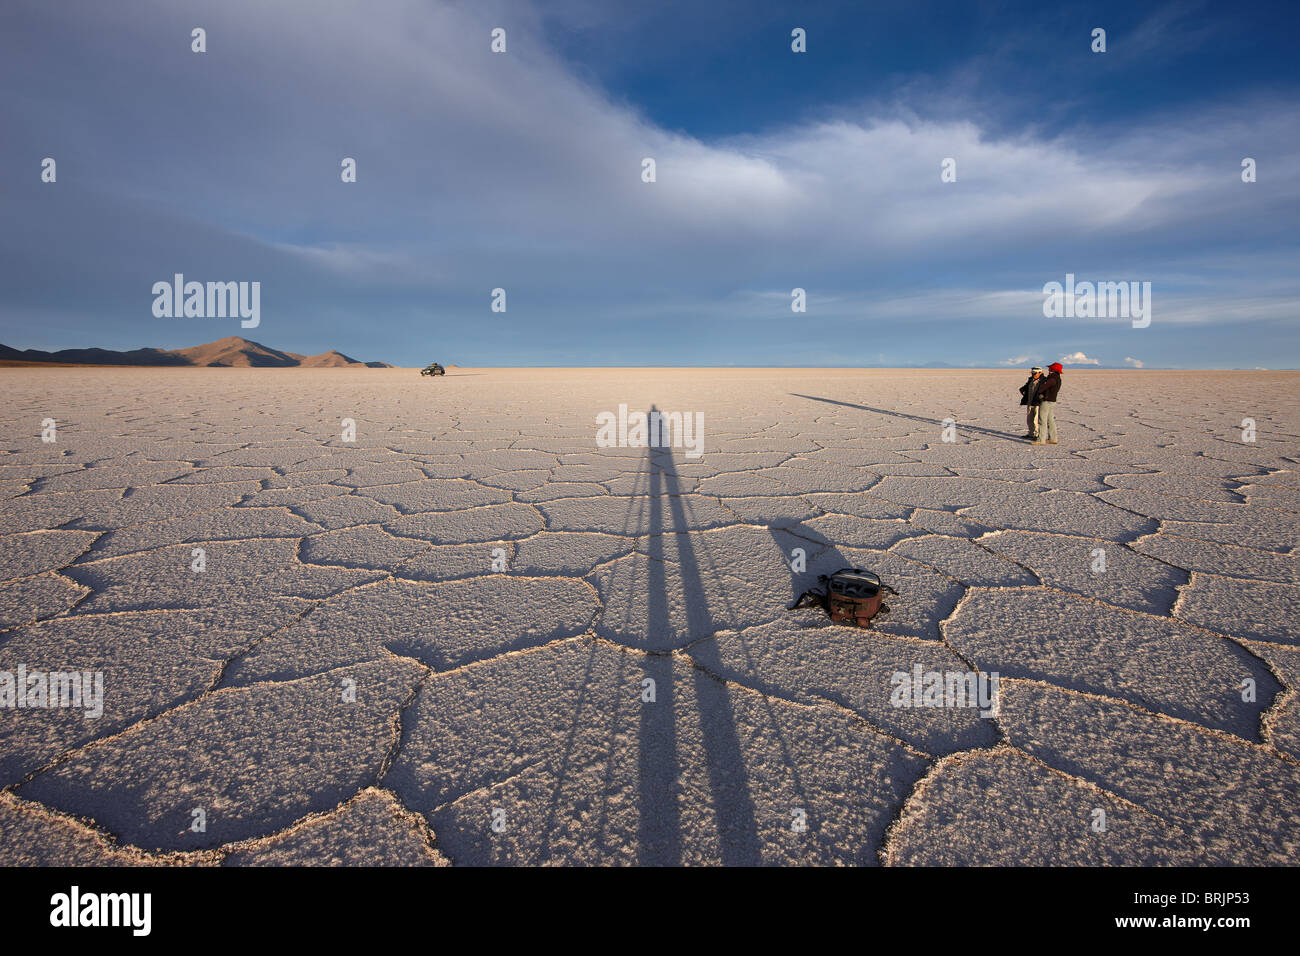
(1029, 391)
(1050, 386)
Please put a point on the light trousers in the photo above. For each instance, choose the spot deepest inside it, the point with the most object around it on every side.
(1047, 421)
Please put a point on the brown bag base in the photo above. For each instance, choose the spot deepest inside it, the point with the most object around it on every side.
(852, 596)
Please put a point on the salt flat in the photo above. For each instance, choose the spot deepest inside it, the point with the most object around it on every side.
(435, 643)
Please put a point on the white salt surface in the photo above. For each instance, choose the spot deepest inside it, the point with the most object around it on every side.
(436, 643)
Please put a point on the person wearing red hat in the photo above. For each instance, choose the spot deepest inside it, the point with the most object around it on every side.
(1047, 392)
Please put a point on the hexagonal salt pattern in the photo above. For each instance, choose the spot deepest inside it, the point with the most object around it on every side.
(475, 635)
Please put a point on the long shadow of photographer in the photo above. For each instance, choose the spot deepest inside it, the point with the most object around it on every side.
(660, 839)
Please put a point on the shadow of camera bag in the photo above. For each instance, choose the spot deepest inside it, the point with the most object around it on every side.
(850, 596)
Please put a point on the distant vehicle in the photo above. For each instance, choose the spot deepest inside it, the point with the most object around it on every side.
(434, 369)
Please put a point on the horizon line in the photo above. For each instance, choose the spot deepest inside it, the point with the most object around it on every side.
(17, 363)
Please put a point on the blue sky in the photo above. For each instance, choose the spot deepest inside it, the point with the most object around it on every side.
(775, 170)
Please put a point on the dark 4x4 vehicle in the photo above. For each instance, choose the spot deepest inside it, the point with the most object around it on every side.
(434, 369)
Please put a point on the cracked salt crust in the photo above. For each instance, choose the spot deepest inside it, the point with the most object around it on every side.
(521, 690)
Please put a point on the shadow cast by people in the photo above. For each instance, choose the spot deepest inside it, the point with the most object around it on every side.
(916, 418)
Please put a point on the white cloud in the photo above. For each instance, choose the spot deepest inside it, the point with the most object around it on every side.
(1078, 358)
(1018, 360)
(1134, 362)
(455, 142)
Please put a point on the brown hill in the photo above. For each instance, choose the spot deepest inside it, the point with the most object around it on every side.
(234, 351)
(330, 359)
(230, 352)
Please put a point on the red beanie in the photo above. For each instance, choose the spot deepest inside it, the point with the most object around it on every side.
(1056, 367)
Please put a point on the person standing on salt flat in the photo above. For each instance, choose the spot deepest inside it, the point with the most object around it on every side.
(1046, 393)
(1029, 398)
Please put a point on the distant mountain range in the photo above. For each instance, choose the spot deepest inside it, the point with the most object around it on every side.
(230, 352)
